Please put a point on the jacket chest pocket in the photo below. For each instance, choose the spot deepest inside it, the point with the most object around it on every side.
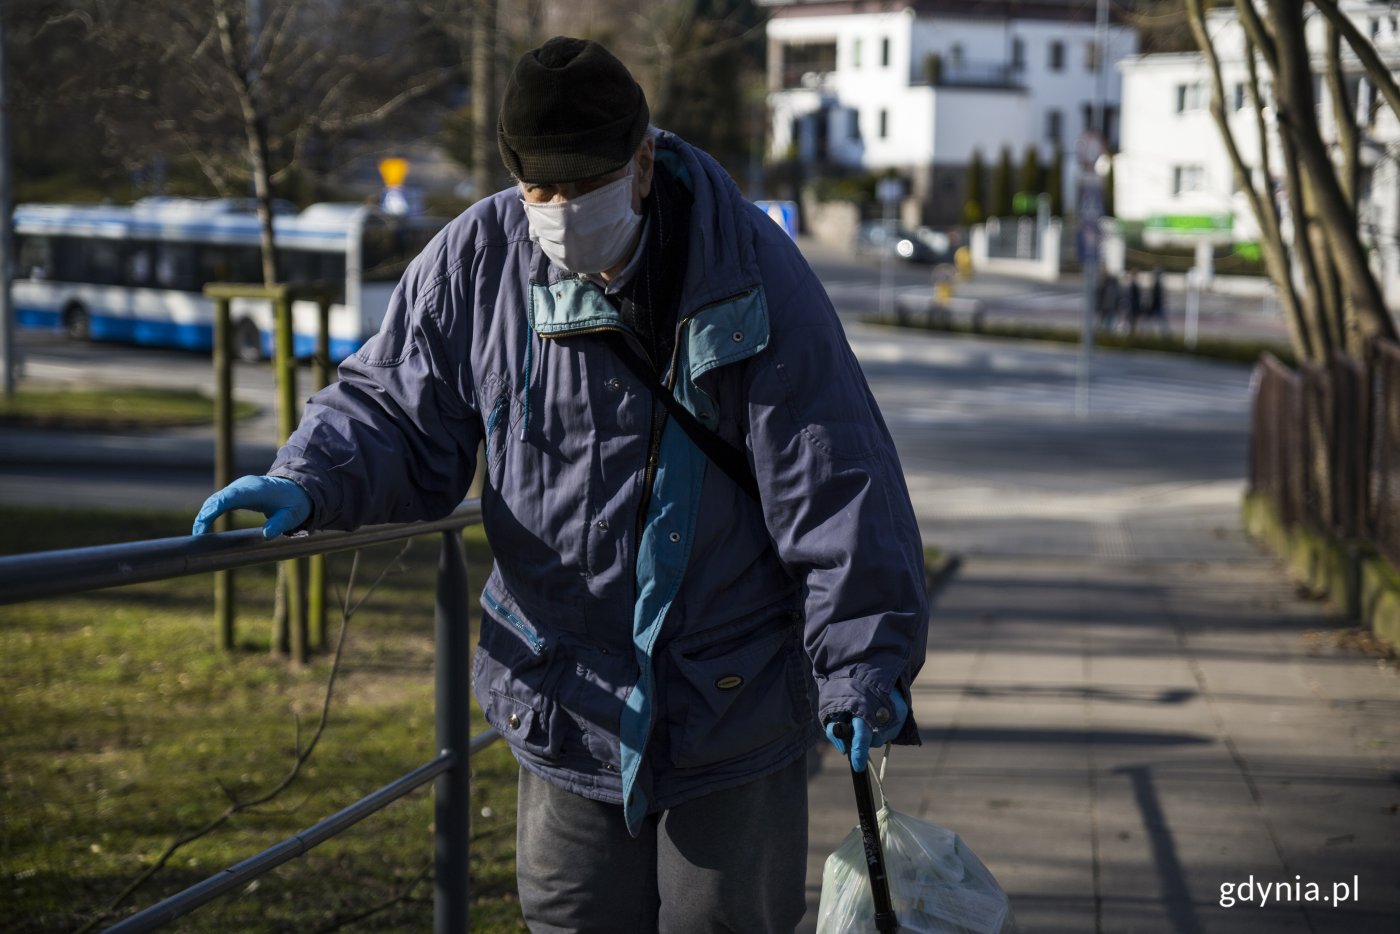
(734, 697)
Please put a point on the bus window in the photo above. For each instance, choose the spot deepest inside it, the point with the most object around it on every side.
(389, 248)
(305, 267)
(67, 260)
(138, 264)
(175, 267)
(101, 262)
(35, 258)
(230, 264)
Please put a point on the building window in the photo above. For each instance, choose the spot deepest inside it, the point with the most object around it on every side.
(1190, 97)
(1091, 56)
(1057, 56)
(955, 55)
(1240, 96)
(1054, 126)
(853, 124)
(884, 53)
(855, 54)
(884, 124)
(1188, 178)
(1018, 54)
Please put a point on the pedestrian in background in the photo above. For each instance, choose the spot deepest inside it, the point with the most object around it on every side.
(690, 582)
(1156, 305)
(1110, 296)
(1134, 301)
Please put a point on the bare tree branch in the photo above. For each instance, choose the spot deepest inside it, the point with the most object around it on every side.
(427, 85)
(1376, 70)
(1297, 118)
(1264, 209)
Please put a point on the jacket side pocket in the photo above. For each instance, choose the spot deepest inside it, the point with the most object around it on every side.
(513, 679)
(733, 697)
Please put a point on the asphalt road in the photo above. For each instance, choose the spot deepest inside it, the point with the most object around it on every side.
(983, 427)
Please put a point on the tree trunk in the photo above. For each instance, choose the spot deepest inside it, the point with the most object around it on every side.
(1305, 341)
(484, 106)
(1297, 118)
(1349, 141)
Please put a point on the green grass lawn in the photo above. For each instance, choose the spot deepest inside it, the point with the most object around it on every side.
(121, 728)
(111, 408)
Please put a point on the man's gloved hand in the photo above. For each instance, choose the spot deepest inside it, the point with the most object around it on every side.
(863, 737)
(284, 502)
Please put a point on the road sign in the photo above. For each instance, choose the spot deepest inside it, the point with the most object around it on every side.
(1090, 211)
(889, 190)
(393, 171)
(783, 213)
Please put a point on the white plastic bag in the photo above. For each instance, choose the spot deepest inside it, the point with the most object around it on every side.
(937, 885)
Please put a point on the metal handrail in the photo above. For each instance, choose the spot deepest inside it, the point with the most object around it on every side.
(43, 574)
(62, 573)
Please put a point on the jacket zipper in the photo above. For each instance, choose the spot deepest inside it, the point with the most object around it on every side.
(535, 642)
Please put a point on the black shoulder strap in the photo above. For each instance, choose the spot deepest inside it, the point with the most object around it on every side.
(720, 452)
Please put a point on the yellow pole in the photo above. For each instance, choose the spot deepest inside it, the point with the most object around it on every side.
(223, 462)
(286, 424)
(317, 583)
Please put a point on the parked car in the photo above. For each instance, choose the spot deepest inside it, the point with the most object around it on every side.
(924, 246)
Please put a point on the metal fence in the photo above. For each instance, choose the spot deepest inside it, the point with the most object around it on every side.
(1325, 445)
(1381, 488)
(63, 573)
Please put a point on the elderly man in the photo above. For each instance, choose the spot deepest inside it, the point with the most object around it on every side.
(704, 545)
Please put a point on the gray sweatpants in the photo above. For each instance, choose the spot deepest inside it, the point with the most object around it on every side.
(731, 861)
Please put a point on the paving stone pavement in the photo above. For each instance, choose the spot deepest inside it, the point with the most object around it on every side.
(1125, 706)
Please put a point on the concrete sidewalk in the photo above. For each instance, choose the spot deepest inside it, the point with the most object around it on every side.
(1117, 741)
(1125, 706)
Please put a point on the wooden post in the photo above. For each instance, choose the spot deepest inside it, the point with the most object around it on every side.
(223, 461)
(286, 424)
(322, 369)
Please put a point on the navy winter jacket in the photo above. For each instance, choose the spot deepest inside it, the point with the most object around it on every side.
(650, 632)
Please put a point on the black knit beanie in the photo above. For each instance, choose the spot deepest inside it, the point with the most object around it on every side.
(570, 111)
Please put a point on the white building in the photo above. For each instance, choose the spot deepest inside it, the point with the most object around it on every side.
(918, 85)
(1173, 172)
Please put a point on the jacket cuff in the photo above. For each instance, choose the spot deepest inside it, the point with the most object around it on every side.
(865, 699)
(315, 492)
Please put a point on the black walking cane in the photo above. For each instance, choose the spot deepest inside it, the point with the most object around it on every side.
(885, 920)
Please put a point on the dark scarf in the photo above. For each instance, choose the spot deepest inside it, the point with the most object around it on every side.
(650, 300)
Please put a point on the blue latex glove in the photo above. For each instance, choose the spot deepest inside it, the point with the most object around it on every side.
(863, 737)
(284, 502)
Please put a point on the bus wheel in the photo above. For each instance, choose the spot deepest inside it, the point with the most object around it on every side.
(247, 342)
(76, 323)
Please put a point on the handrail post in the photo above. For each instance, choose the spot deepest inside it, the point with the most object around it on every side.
(223, 461)
(452, 792)
(286, 424)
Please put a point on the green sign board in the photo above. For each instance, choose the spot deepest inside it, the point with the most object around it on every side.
(1192, 223)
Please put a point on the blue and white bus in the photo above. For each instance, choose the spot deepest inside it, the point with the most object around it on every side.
(137, 273)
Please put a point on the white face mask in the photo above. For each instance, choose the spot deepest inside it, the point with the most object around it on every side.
(590, 233)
